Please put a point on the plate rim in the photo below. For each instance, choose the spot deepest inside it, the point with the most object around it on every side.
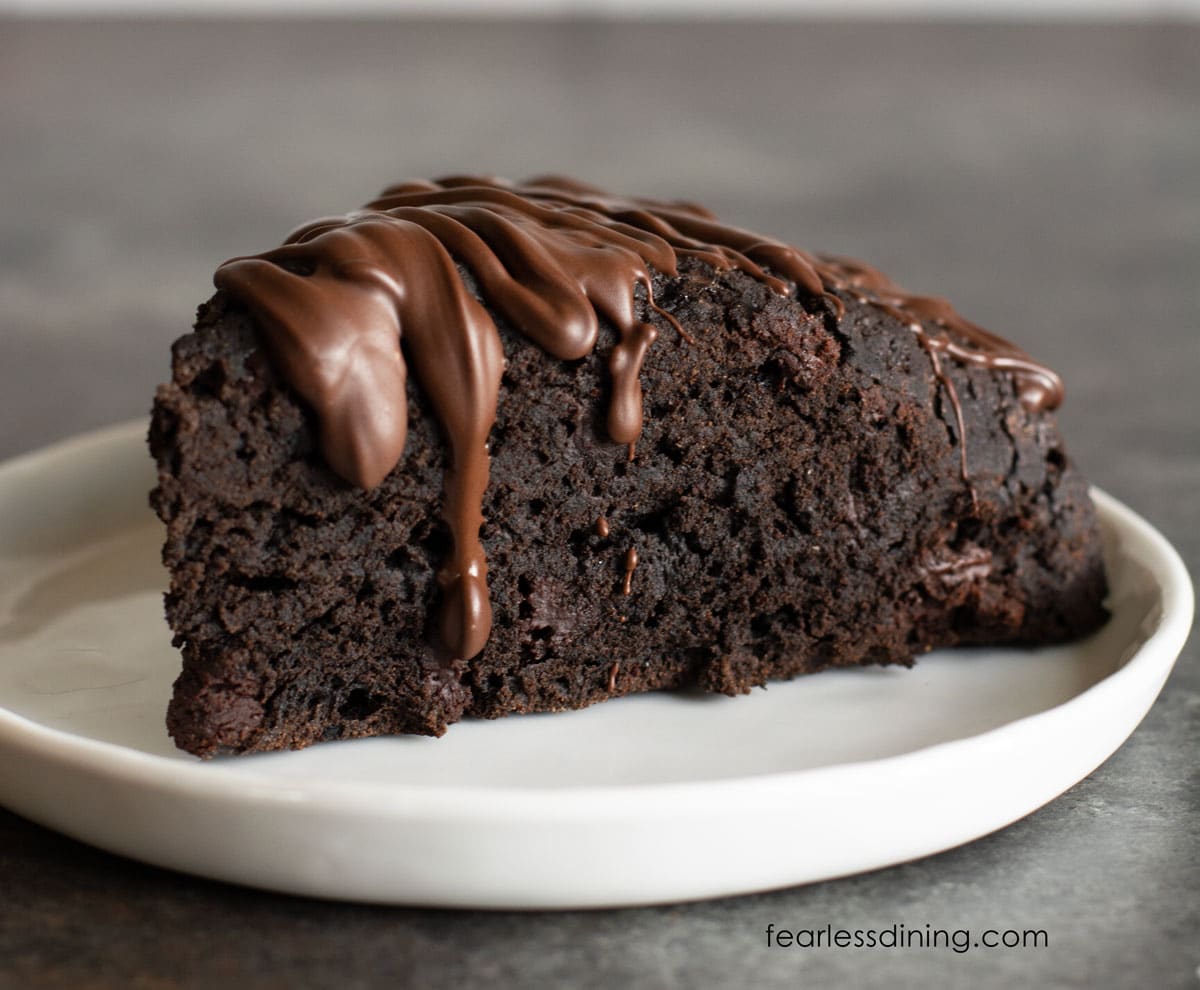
(413, 802)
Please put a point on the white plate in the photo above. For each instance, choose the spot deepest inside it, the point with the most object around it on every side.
(641, 800)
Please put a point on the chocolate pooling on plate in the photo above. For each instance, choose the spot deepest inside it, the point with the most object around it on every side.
(348, 304)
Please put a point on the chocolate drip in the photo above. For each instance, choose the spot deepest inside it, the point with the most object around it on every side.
(631, 562)
(347, 303)
(1040, 388)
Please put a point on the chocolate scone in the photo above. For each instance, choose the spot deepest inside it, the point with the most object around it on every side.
(639, 450)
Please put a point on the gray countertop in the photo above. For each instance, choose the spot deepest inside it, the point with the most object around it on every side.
(1046, 178)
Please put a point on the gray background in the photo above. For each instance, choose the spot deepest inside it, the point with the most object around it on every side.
(1046, 177)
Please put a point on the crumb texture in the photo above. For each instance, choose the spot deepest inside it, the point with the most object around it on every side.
(795, 502)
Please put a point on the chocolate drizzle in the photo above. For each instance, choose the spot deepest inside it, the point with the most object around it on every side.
(347, 304)
(1040, 387)
(631, 562)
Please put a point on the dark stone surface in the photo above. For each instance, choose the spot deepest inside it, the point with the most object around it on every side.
(1047, 179)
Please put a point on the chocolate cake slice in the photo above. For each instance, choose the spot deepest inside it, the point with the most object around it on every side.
(638, 449)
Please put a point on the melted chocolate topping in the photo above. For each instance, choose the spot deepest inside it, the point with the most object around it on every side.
(631, 562)
(347, 304)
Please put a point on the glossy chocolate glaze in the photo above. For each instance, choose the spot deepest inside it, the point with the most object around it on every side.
(348, 303)
(631, 562)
